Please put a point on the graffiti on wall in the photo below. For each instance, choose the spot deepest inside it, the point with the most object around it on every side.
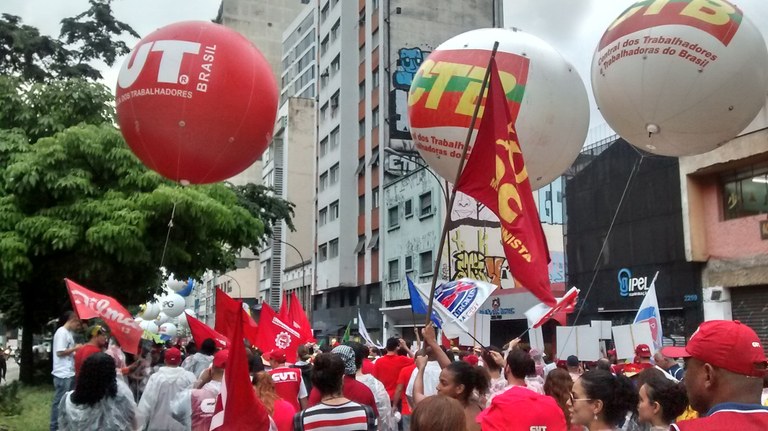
(408, 62)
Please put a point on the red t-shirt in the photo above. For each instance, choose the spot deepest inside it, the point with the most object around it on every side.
(283, 415)
(83, 353)
(728, 416)
(289, 385)
(368, 366)
(352, 390)
(402, 379)
(387, 369)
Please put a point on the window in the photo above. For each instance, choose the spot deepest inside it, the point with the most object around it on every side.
(361, 53)
(360, 166)
(745, 193)
(323, 217)
(324, 46)
(426, 266)
(322, 253)
(334, 105)
(375, 38)
(375, 198)
(375, 4)
(335, 138)
(327, 300)
(324, 146)
(361, 128)
(360, 247)
(335, 65)
(375, 157)
(373, 293)
(334, 210)
(408, 264)
(408, 208)
(393, 221)
(335, 31)
(374, 244)
(375, 78)
(375, 118)
(334, 174)
(425, 204)
(361, 90)
(333, 248)
(341, 298)
(324, 12)
(393, 270)
(361, 205)
(354, 296)
(361, 18)
(323, 181)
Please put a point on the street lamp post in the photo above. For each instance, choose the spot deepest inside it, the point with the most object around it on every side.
(303, 266)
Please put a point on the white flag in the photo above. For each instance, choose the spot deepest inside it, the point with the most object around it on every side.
(456, 301)
(649, 312)
(364, 331)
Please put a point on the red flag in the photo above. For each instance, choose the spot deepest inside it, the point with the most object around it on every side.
(298, 318)
(237, 407)
(284, 312)
(495, 175)
(228, 315)
(89, 304)
(276, 334)
(539, 314)
(200, 331)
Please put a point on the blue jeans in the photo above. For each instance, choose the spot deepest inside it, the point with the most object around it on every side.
(60, 386)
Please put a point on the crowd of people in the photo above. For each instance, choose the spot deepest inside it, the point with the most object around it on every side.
(351, 386)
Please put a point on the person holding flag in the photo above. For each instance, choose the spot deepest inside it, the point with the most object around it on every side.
(649, 312)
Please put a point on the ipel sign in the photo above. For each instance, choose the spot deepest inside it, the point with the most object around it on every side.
(631, 286)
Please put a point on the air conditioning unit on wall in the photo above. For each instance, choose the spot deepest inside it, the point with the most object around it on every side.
(716, 294)
(717, 303)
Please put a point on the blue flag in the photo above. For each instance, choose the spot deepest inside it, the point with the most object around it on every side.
(417, 304)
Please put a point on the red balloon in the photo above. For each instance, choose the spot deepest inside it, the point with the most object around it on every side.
(196, 102)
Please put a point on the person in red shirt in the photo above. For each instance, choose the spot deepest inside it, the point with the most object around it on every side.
(387, 368)
(288, 382)
(97, 342)
(402, 383)
(351, 388)
(368, 365)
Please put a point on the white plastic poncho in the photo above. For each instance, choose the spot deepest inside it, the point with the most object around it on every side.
(387, 421)
(116, 413)
(154, 409)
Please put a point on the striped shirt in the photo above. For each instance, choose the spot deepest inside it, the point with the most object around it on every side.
(349, 416)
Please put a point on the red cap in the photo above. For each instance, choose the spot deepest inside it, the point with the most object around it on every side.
(727, 344)
(643, 351)
(173, 356)
(532, 411)
(220, 358)
(471, 359)
(277, 355)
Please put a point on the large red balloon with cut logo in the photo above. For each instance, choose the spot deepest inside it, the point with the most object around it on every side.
(196, 102)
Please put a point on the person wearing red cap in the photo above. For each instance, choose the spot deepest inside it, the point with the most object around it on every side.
(725, 367)
(154, 412)
(643, 357)
(194, 407)
(288, 381)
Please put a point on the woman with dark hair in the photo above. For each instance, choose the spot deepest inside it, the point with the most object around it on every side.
(334, 410)
(438, 412)
(600, 400)
(559, 385)
(661, 400)
(99, 402)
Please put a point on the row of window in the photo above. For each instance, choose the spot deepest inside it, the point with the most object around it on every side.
(328, 214)
(332, 140)
(426, 209)
(346, 297)
(329, 177)
(328, 250)
(426, 266)
(373, 244)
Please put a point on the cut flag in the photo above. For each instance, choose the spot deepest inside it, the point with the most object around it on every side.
(345, 337)
(457, 301)
(417, 304)
(298, 318)
(276, 334)
(227, 315)
(539, 314)
(649, 312)
(495, 175)
(237, 406)
(200, 332)
(88, 305)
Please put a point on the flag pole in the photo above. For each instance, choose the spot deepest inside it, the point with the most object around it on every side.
(452, 199)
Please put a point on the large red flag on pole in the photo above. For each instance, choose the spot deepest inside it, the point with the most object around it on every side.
(237, 407)
(228, 315)
(276, 334)
(200, 332)
(88, 305)
(283, 314)
(495, 175)
(298, 318)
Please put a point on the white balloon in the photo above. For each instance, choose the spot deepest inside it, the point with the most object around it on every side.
(168, 329)
(162, 318)
(176, 285)
(676, 79)
(151, 310)
(149, 326)
(173, 304)
(553, 106)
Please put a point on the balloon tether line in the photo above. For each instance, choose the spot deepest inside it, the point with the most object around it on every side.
(168, 235)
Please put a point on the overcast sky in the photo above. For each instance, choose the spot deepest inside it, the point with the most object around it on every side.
(573, 27)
